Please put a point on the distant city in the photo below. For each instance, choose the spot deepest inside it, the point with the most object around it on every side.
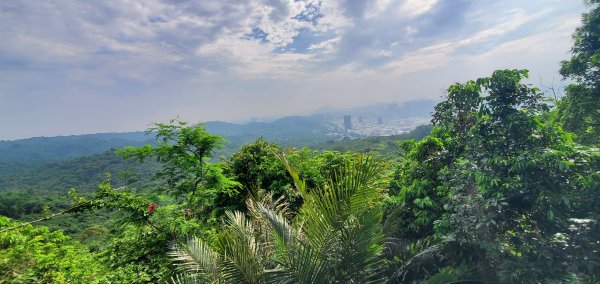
(377, 120)
(359, 126)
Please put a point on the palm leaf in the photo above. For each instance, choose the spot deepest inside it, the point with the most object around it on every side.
(197, 257)
(342, 223)
(241, 259)
(187, 278)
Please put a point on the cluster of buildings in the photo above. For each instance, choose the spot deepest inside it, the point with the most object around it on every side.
(376, 126)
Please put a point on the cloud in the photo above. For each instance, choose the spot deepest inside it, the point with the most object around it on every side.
(413, 8)
(177, 56)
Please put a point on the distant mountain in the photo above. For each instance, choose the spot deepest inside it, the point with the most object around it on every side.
(88, 171)
(291, 128)
(26, 153)
(83, 173)
(287, 131)
(67, 147)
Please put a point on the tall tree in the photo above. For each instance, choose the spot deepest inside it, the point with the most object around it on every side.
(579, 110)
(475, 184)
(185, 152)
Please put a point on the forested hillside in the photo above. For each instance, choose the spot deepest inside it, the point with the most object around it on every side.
(384, 147)
(502, 187)
(33, 152)
(37, 152)
(26, 192)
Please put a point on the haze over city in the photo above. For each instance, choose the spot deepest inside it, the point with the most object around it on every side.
(72, 67)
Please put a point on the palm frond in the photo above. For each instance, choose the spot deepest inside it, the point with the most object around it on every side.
(241, 252)
(279, 224)
(197, 256)
(421, 258)
(298, 182)
(336, 237)
(300, 264)
(342, 222)
(187, 278)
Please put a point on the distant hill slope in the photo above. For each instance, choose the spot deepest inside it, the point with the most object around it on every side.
(30, 153)
(289, 131)
(25, 153)
(88, 171)
(25, 191)
(67, 147)
(379, 146)
(84, 173)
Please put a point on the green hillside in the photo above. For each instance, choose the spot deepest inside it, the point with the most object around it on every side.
(25, 191)
(385, 147)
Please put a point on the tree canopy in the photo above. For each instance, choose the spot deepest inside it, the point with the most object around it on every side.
(579, 110)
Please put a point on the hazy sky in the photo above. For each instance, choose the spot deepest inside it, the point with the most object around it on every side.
(72, 67)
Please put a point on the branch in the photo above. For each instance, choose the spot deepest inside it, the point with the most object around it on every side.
(556, 91)
(45, 218)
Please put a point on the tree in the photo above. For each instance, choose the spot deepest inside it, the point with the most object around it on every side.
(37, 255)
(186, 205)
(584, 65)
(417, 193)
(184, 152)
(256, 167)
(497, 203)
(579, 110)
(475, 185)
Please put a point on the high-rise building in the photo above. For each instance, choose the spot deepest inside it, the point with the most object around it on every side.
(347, 122)
(380, 120)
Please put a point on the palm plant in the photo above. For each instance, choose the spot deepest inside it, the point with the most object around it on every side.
(241, 254)
(335, 238)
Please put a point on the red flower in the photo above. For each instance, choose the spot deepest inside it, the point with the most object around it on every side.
(151, 208)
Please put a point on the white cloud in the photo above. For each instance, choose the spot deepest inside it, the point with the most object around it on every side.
(377, 8)
(333, 19)
(326, 47)
(402, 8)
(179, 55)
(442, 54)
(430, 57)
(414, 8)
(409, 32)
(255, 58)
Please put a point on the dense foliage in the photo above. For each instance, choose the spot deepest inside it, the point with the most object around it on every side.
(36, 255)
(488, 205)
(336, 236)
(579, 110)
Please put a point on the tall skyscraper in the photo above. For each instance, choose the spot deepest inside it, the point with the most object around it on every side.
(380, 120)
(347, 122)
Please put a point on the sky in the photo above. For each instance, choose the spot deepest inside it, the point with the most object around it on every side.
(76, 67)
